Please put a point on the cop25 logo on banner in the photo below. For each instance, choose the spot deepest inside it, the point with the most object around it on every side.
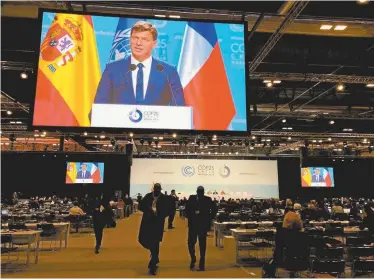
(188, 171)
(224, 171)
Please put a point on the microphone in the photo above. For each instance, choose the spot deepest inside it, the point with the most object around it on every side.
(132, 67)
(160, 68)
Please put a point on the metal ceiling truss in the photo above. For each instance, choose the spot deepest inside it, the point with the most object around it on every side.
(312, 135)
(292, 14)
(8, 103)
(315, 115)
(312, 77)
(17, 66)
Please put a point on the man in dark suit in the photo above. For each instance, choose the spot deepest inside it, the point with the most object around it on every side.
(155, 207)
(83, 173)
(200, 211)
(141, 79)
(317, 177)
(173, 201)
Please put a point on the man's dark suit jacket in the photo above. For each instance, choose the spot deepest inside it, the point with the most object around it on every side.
(207, 211)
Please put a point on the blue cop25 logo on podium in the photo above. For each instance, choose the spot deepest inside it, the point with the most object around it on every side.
(224, 171)
(188, 171)
(135, 116)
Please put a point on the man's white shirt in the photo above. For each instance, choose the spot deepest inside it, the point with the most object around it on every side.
(146, 73)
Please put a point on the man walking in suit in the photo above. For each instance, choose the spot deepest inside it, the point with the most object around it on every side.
(200, 211)
(173, 201)
(141, 79)
(155, 207)
(83, 173)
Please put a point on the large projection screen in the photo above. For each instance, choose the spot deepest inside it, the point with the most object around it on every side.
(140, 73)
(221, 178)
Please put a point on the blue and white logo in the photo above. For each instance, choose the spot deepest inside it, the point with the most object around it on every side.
(121, 46)
(135, 116)
(237, 27)
(224, 171)
(188, 171)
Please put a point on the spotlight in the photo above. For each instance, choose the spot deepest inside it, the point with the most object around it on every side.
(269, 84)
(24, 75)
(329, 139)
(284, 120)
(174, 135)
(85, 133)
(331, 122)
(9, 112)
(340, 87)
(131, 135)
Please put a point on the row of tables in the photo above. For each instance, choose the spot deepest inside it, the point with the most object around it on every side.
(32, 236)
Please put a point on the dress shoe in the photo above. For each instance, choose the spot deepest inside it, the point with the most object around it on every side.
(152, 271)
(192, 264)
(201, 268)
(170, 228)
(97, 250)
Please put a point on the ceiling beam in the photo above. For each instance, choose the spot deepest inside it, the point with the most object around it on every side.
(312, 77)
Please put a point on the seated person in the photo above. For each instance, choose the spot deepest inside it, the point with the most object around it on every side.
(337, 208)
(76, 210)
(368, 221)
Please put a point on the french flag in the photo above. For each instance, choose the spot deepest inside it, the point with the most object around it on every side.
(95, 173)
(204, 79)
(327, 178)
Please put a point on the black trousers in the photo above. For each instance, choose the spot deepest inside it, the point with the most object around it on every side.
(98, 229)
(155, 251)
(171, 219)
(193, 234)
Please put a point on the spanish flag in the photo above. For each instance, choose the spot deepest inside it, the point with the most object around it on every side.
(71, 173)
(68, 73)
(306, 177)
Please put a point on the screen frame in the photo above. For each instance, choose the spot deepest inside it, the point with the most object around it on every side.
(32, 127)
(317, 187)
(66, 170)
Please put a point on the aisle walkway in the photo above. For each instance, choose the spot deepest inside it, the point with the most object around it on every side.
(122, 256)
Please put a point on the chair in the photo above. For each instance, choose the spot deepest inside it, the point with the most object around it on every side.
(361, 267)
(328, 266)
(266, 241)
(7, 245)
(357, 252)
(341, 216)
(17, 226)
(330, 253)
(48, 232)
(352, 241)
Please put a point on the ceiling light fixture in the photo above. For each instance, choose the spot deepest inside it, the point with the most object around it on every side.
(9, 112)
(325, 27)
(340, 27)
(174, 135)
(284, 120)
(277, 81)
(370, 85)
(160, 15)
(24, 75)
(331, 122)
(340, 87)
(269, 84)
(174, 16)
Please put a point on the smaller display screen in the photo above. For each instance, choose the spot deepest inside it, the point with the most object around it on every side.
(317, 177)
(82, 172)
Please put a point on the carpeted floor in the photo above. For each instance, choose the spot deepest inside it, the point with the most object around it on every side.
(122, 256)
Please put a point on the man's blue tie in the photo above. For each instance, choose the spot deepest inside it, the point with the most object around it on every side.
(139, 85)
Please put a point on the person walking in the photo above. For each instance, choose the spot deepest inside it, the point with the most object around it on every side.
(200, 211)
(155, 207)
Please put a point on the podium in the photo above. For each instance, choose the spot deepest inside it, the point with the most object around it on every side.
(143, 117)
(83, 180)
